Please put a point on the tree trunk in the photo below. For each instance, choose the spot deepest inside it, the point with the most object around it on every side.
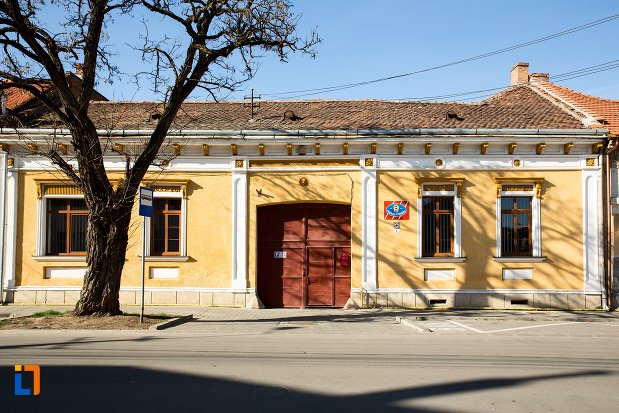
(107, 238)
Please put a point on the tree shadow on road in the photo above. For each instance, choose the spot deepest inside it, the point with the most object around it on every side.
(111, 389)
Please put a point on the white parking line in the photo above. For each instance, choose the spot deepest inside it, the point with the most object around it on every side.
(411, 324)
(510, 329)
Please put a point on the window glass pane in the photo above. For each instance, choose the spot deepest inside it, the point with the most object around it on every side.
(78, 205)
(429, 235)
(428, 204)
(159, 204)
(444, 233)
(507, 202)
(507, 233)
(55, 205)
(159, 226)
(174, 220)
(173, 233)
(78, 233)
(446, 204)
(158, 245)
(523, 232)
(56, 233)
(523, 203)
(174, 204)
(173, 246)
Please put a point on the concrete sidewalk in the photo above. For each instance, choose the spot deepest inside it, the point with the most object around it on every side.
(240, 315)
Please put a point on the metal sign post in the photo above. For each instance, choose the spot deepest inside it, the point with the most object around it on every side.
(146, 210)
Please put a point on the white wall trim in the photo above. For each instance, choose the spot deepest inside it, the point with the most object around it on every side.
(239, 229)
(174, 289)
(10, 241)
(368, 236)
(484, 162)
(591, 202)
(474, 291)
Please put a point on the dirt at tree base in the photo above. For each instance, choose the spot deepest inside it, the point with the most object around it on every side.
(70, 322)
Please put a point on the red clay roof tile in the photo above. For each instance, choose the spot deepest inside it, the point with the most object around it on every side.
(517, 107)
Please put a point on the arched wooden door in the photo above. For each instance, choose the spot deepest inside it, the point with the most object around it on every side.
(304, 255)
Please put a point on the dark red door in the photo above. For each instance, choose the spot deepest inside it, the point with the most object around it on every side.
(304, 255)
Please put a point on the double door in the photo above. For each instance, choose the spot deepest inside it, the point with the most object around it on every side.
(304, 255)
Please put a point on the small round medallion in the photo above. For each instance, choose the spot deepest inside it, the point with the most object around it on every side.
(438, 162)
(303, 181)
(517, 162)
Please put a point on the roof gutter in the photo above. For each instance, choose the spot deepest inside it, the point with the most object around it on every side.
(316, 132)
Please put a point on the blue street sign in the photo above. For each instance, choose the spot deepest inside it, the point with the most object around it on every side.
(146, 202)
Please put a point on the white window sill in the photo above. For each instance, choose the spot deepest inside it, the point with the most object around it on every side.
(440, 259)
(165, 258)
(519, 259)
(59, 258)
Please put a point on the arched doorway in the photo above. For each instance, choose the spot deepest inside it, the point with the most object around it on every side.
(304, 255)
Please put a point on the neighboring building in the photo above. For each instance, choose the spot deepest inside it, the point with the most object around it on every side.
(314, 203)
(22, 108)
(595, 113)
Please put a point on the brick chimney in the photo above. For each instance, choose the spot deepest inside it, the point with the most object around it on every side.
(520, 73)
(79, 70)
(540, 77)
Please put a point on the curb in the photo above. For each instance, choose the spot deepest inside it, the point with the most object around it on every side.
(172, 322)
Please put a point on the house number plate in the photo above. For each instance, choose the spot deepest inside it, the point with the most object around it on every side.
(279, 254)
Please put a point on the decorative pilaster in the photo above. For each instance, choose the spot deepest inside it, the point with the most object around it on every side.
(368, 241)
(239, 229)
(592, 201)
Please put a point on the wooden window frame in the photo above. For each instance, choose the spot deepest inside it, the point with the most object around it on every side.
(68, 212)
(166, 212)
(437, 212)
(515, 212)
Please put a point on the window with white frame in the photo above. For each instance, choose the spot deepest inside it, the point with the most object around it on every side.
(67, 219)
(62, 220)
(166, 233)
(518, 218)
(439, 217)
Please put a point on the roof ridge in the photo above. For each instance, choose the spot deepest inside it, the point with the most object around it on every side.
(566, 105)
(580, 93)
(238, 102)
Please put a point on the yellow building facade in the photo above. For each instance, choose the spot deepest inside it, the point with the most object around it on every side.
(413, 205)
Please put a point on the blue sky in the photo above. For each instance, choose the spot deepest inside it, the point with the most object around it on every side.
(365, 40)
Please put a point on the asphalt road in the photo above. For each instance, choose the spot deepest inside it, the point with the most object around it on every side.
(309, 367)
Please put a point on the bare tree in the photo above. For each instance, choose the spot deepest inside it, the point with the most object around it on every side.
(213, 35)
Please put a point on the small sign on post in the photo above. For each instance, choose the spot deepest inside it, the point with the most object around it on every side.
(146, 202)
(146, 209)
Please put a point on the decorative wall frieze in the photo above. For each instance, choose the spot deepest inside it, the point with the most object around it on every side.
(519, 184)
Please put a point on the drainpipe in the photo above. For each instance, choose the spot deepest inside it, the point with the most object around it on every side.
(608, 225)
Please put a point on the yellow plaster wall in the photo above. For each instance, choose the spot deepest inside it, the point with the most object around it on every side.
(209, 237)
(209, 220)
(283, 187)
(561, 216)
